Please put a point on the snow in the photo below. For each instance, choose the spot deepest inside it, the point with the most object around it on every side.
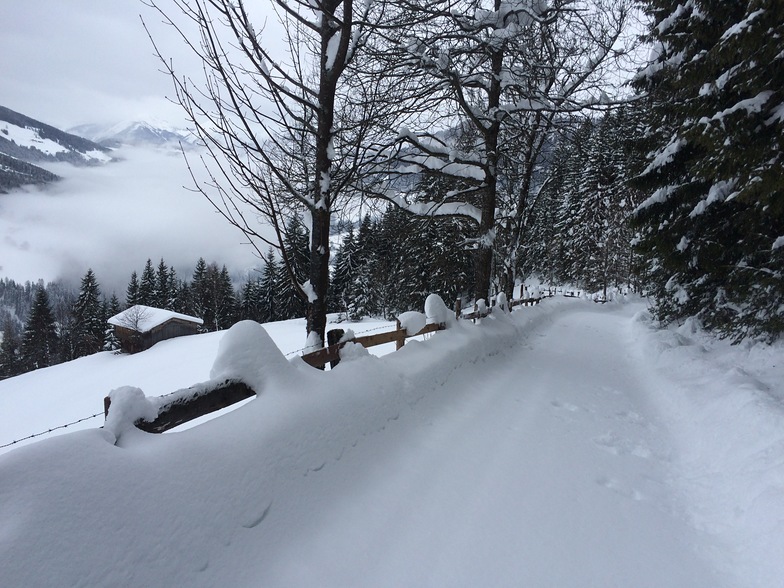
(437, 311)
(718, 192)
(145, 318)
(332, 50)
(309, 291)
(128, 405)
(569, 444)
(738, 28)
(413, 322)
(778, 243)
(29, 137)
(666, 155)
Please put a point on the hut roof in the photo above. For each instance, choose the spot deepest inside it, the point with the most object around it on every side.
(145, 318)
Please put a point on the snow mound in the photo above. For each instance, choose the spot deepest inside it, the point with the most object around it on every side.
(503, 304)
(247, 353)
(413, 322)
(351, 351)
(437, 312)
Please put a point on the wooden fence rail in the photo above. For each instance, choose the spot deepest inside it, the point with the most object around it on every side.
(202, 399)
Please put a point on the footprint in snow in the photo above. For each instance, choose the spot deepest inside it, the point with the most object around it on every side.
(259, 519)
(615, 486)
(618, 446)
(565, 405)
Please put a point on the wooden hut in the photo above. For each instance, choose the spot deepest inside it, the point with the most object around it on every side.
(140, 327)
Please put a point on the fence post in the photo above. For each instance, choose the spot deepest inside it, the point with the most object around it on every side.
(400, 341)
(458, 308)
(333, 337)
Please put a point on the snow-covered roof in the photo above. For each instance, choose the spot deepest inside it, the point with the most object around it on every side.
(145, 318)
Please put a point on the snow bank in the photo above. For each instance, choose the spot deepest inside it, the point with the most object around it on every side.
(726, 404)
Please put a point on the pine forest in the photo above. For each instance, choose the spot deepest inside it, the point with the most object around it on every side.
(542, 167)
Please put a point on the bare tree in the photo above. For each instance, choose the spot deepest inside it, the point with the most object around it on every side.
(506, 73)
(287, 131)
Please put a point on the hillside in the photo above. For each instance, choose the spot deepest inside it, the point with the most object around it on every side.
(26, 142)
(570, 445)
(15, 173)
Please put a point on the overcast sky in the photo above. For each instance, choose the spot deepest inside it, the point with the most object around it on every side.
(69, 62)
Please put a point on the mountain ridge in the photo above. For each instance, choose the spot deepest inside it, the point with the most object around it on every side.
(25, 143)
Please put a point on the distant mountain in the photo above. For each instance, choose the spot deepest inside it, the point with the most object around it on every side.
(26, 142)
(137, 133)
(32, 141)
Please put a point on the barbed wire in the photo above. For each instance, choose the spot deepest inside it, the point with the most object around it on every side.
(42, 433)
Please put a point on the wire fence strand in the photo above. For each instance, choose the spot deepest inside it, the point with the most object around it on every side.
(42, 433)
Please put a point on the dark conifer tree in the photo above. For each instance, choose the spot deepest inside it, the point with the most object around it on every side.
(40, 341)
(343, 273)
(201, 295)
(225, 300)
(132, 291)
(267, 290)
(148, 287)
(89, 322)
(711, 228)
(163, 298)
(10, 350)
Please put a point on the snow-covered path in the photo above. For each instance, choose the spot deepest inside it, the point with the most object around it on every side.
(526, 452)
(543, 467)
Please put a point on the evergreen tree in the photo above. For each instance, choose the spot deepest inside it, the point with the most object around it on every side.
(148, 286)
(201, 295)
(343, 273)
(249, 300)
(10, 360)
(89, 322)
(163, 298)
(711, 228)
(110, 340)
(132, 291)
(267, 290)
(225, 300)
(362, 292)
(40, 341)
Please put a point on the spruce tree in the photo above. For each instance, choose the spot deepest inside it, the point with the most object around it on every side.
(201, 295)
(163, 298)
(110, 340)
(39, 341)
(89, 322)
(148, 286)
(10, 360)
(712, 226)
(225, 300)
(343, 273)
(132, 291)
(267, 290)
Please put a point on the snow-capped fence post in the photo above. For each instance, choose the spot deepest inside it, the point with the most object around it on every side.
(458, 308)
(333, 338)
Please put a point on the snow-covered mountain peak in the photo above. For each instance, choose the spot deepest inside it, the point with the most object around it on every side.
(156, 133)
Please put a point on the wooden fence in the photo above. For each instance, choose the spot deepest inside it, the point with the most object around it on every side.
(202, 399)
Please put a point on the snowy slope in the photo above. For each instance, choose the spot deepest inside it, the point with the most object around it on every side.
(552, 449)
(30, 140)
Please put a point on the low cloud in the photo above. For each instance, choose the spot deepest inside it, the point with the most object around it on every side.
(112, 219)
